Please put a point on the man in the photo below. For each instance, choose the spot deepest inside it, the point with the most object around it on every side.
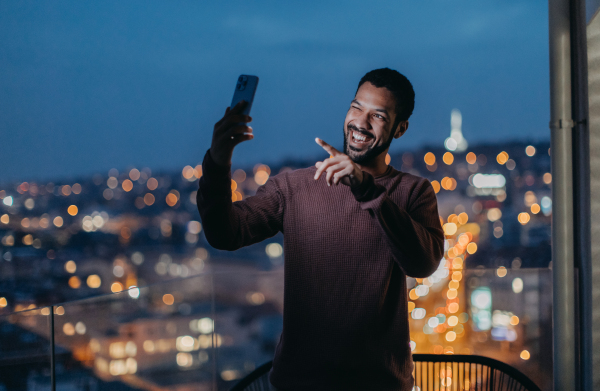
(348, 249)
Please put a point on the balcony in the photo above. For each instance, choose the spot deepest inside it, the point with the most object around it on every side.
(207, 331)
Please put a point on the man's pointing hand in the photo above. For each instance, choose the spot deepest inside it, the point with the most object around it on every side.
(339, 167)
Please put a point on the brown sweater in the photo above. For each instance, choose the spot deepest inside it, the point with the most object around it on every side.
(347, 255)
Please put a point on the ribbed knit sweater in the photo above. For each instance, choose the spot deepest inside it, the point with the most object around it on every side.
(347, 254)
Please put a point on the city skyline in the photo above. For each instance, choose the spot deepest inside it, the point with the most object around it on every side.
(137, 234)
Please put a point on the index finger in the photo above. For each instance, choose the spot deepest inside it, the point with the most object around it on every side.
(328, 148)
(238, 108)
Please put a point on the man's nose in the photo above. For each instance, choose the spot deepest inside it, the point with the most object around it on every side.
(362, 121)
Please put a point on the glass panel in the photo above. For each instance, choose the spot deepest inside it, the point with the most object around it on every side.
(174, 335)
(25, 350)
(248, 322)
(501, 313)
(144, 338)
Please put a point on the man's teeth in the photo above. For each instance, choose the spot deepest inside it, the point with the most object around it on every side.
(358, 136)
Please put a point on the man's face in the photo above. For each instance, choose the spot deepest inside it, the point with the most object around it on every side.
(368, 126)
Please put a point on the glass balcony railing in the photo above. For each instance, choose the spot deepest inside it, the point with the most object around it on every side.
(26, 350)
(207, 331)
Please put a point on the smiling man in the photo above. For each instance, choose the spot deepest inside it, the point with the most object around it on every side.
(348, 249)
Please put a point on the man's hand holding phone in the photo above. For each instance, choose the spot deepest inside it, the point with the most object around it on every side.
(231, 130)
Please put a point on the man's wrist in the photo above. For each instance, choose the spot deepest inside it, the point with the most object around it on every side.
(361, 189)
(217, 161)
(210, 166)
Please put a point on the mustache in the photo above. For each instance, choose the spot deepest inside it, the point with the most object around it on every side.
(363, 131)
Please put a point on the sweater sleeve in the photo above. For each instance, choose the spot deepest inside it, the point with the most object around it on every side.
(228, 225)
(414, 234)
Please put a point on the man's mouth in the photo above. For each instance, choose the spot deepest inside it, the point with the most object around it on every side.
(360, 137)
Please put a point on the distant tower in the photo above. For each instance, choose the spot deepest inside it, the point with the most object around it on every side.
(456, 142)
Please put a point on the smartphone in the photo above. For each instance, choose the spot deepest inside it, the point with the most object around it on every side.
(245, 89)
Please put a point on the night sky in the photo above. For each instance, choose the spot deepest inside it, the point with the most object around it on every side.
(86, 86)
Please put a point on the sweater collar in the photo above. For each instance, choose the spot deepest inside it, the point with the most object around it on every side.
(387, 172)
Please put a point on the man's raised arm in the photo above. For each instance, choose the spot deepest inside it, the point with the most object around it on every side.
(229, 226)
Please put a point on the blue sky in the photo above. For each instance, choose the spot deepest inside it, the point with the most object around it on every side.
(88, 86)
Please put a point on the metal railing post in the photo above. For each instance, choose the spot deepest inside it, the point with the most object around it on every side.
(561, 126)
(52, 352)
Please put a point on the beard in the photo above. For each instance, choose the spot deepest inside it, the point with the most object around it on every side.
(364, 157)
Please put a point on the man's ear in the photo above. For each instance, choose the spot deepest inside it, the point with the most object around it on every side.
(401, 129)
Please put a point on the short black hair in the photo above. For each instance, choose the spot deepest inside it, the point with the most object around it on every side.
(398, 85)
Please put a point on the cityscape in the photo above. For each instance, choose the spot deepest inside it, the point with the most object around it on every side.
(142, 301)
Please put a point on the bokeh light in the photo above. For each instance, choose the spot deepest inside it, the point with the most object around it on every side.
(472, 248)
(449, 229)
(429, 159)
(171, 199)
(239, 175)
(134, 174)
(517, 285)
(502, 157)
(152, 184)
(112, 182)
(68, 329)
(168, 299)
(261, 177)
(274, 250)
(471, 158)
(58, 221)
(70, 266)
(494, 214)
(194, 227)
(116, 287)
(524, 218)
(127, 185)
(547, 178)
(188, 173)
(74, 282)
(73, 210)
(94, 281)
(448, 158)
(149, 199)
(501, 271)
